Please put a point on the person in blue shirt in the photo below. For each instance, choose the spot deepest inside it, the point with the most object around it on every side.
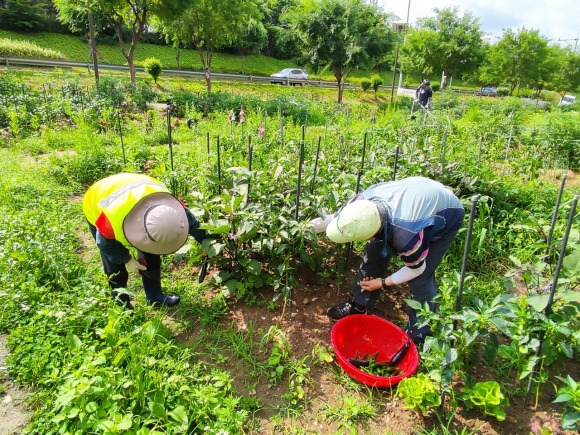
(415, 218)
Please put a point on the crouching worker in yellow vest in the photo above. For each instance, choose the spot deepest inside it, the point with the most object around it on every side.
(134, 210)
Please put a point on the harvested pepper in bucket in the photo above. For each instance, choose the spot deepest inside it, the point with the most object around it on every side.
(369, 364)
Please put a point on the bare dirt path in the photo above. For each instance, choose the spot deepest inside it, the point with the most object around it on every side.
(13, 413)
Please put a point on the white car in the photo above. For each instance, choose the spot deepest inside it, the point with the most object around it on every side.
(290, 76)
(567, 99)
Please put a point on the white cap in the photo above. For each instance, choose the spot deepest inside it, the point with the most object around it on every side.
(359, 220)
(157, 224)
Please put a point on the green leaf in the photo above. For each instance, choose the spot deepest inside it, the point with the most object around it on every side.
(414, 304)
(572, 261)
(254, 267)
(570, 420)
(179, 414)
(451, 356)
(158, 410)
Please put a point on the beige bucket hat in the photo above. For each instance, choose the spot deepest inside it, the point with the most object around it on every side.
(157, 224)
(357, 221)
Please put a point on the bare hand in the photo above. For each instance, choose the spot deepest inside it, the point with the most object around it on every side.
(371, 284)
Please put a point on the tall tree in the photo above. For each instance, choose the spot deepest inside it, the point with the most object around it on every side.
(282, 42)
(252, 40)
(131, 14)
(210, 25)
(518, 59)
(341, 35)
(565, 74)
(446, 42)
(22, 15)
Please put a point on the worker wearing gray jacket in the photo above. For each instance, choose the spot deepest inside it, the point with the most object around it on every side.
(415, 218)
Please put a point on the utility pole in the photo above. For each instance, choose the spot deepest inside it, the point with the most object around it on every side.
(572, 39)
(398, 27)
(93, 47)
(404, 40)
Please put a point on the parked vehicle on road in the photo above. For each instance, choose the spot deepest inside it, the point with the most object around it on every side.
(487, 92)
(567, 100)
(289, 76)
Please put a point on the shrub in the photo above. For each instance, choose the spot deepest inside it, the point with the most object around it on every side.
(153, 67)
(376, 82)
(365, 84)
(13, 48)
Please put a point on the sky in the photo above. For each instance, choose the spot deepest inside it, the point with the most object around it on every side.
(554, 19)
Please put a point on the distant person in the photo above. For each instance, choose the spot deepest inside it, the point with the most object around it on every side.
(423, 94)
(133, 210)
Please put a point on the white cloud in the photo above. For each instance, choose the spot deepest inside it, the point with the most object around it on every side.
(555, 19)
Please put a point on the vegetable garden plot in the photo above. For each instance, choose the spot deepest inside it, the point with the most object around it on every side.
(57, 144)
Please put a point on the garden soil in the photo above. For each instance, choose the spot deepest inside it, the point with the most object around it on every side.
(305, 324)
(13, 412)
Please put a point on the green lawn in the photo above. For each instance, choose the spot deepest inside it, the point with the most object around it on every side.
(75, 49)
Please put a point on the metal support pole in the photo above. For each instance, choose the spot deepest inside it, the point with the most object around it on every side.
(474, 200)
(548, 309)
(315, 165)
(299, 176)
(394, 72)
(169, 135)
(554, 216)
(219, 169)
(396, 162)
(121, 136)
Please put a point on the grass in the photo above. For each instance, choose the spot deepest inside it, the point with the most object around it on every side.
(76, 49)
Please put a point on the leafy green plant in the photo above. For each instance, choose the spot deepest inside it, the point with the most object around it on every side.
(376, 82)
(349, 413)
(486, 396)
(153, 67)
(419, 392)
(365, 84)
(569, 395)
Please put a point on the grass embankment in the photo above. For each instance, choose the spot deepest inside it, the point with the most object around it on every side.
(76, 49)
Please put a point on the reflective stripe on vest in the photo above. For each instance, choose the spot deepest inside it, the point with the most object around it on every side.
(115, 197)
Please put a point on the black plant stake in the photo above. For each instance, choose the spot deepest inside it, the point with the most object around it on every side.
(315, 165)
(219, 168)
(169, 135)
(300, 173)
(121, 136)
(548, 309)
(554, 216)
(474, 200)
(397, 149)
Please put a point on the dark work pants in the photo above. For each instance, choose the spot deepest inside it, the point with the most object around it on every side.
(423, 288)
(118, 275)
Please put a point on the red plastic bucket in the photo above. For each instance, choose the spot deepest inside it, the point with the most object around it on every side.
(361, 334)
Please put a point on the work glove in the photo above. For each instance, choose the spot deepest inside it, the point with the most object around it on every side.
(319, 224)
(135, 266)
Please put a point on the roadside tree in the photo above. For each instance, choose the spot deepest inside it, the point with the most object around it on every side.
(209, 25)
(446, 42)
(518, 59)
(341, 35)
(125, 14)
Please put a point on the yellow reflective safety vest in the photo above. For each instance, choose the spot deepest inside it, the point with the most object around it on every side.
(108, 201)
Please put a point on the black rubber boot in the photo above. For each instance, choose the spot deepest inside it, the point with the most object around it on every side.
(153, 293)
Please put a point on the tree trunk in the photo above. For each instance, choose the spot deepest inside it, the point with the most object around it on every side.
(205, 56)
(207, 76)
(136, 36)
